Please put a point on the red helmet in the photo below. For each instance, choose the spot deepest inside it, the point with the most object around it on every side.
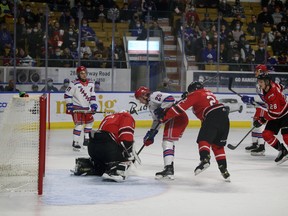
(79, 69)
(141, 91)
(261, 67)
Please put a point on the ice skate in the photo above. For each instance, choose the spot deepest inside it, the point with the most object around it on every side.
(204, 164)
(225, 173)
(260, 151)
(283, 155)
(252, 147)
(167, 173)
(113, 175)
(86, 142)
(76, 146)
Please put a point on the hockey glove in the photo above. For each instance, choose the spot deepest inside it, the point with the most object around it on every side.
(247, 100)
(94, 107)
(184, 95)
(69, 108)
(159, 112)
(259, 122)
(149, 137)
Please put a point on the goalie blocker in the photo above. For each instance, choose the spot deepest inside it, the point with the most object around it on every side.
(110, 149)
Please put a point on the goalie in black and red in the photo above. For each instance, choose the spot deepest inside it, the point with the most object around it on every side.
(111, 149)
(214, 129)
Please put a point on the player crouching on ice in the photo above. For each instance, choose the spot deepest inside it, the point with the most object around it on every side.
(111, 149)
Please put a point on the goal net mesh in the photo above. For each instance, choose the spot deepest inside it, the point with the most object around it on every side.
(19, 154)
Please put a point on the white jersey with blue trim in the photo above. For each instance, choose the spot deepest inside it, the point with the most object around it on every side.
(159, 99)
(81, 94)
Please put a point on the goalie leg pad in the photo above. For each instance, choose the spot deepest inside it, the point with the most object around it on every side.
(85, 166)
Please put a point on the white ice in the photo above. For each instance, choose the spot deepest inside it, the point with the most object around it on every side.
(258, 186)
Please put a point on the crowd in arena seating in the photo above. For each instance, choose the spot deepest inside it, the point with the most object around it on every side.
(249, 33)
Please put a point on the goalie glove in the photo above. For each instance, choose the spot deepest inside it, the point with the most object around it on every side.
(129, 152)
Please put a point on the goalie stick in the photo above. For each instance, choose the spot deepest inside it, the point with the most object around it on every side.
(234, 147)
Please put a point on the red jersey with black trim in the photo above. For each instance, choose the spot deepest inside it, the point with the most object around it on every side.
(120, 125)
(202, 101)
(276, 102)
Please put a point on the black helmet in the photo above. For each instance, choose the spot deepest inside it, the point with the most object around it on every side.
(194, 86)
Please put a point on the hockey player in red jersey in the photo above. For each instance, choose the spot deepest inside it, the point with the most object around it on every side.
(157, 103)
(258, 143)
(110, 148)
(81, 103)
(214, 128)
(276, 115)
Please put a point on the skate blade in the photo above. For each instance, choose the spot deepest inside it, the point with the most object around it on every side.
(76, 149)
(74, 173)
(285, 158)
(198, 171)
(107, 177)
(227, 179)
(258, 153)
(168, 177)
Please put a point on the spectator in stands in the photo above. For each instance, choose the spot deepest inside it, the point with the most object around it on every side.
(89, 11)
(65, 85)
(2, 17)
(97, 86)
(265, 17)
(139, 30)
(35, 87)
(200, 44)
(223, 53)
(11, 86)
(67, 58)
(64, 19)
(29, 15)
(247, 53)
(5, 8)
(190, 47)
(86, 60)
(255, 28)
(237, 32)
(237, 20)
(56, 59)
(242, 42)
(25, 59)
(156, 30)
(192, 16)
(279, 44)
(236, 63)
(214, 40)
(6, 40)
(35, 42)
(40, 17)
(125, 13)
(101, 13)
(119, 56)
(148, 5)
(21, 32)
(222, 20)
(73, 26)
(50, 87)
(69, 38)
(271, 34)
(224, 31)
(8, 57)
(261, 54)
(206, 23)
(277, 16)
(237, 9)
(225, 8)
(282, 27)
(87, 33)
(283, 62)
(85, 49)
(209, 55)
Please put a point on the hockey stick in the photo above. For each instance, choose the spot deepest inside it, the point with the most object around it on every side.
(89, 111)
(234, 147)
(230, 88)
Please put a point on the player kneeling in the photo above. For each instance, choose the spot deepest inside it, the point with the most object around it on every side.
(111, 149)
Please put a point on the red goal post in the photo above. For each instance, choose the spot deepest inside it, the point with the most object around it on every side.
(23, 144)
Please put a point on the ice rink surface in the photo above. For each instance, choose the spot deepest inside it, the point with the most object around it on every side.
(258, 186)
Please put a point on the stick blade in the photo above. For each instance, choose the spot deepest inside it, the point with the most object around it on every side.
(231, 147)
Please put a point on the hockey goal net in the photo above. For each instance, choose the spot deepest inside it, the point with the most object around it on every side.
(22, 144)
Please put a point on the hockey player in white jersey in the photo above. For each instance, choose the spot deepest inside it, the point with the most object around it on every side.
(81, 104)
(157, 102)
